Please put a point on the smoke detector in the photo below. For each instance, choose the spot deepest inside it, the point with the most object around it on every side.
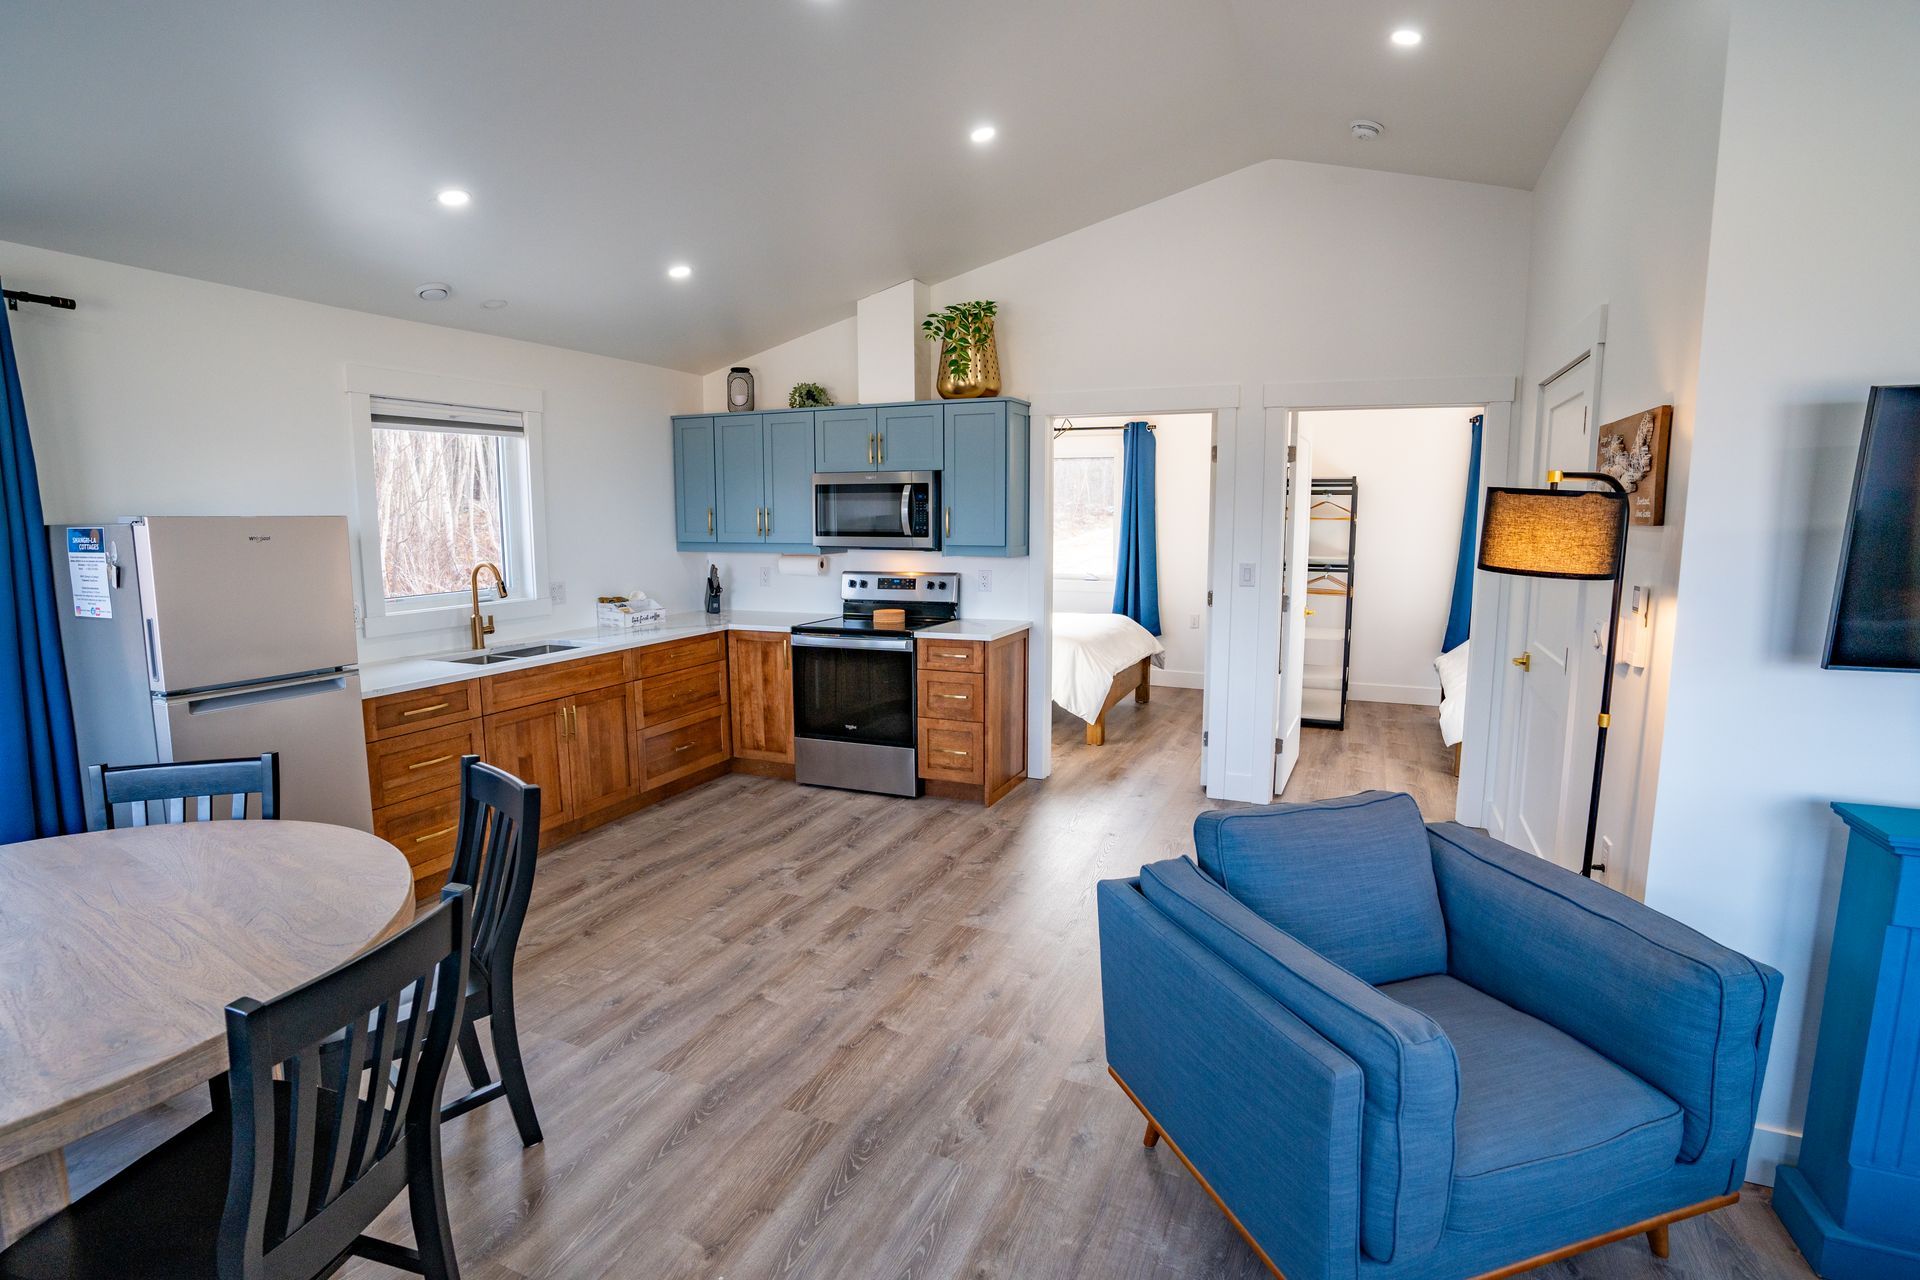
(433, 292)
(1365, 130)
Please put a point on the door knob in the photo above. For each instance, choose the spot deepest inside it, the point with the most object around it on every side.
(1524, 662)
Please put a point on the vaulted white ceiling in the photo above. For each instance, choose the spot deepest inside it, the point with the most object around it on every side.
(799, 154)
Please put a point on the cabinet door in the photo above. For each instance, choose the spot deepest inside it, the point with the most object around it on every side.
(912, 437)
(693, 476)
(740, 468)
(973, 484)
(844, 440)
(790, 481)
(760, 684)
(600, 744)
(530, 744)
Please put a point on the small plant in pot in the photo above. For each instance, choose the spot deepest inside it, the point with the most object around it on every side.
(808, 395)
(969, 360)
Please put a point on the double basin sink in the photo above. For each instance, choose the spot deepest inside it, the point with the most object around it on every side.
(517, 654)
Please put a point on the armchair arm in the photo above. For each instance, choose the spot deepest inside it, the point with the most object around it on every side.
(1682, 1012)
(1267, 1110)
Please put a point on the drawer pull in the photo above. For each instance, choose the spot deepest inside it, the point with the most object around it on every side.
(434, 835)
(685, 746)
(959, 697)
(427, 711)
(950, 654)
(950, 751)
(428, 764)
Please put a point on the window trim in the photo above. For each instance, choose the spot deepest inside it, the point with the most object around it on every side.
(1102, 444)
(380, 617)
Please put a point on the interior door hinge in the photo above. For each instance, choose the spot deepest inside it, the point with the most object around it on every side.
(1286, 602)
(1209, 599)
(1204, 735)
(1216, 453)
(1293, 453)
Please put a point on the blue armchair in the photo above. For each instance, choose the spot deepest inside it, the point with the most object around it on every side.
(1389, 1049)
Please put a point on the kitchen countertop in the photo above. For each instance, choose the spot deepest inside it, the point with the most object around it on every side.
(403, 675)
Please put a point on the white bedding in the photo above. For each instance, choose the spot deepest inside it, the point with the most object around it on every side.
(1089, 649)
(1452, 667)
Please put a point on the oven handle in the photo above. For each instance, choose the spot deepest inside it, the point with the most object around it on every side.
(901, 644)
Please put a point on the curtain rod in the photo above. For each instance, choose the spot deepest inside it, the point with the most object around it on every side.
(15, 297)
(1060, 431)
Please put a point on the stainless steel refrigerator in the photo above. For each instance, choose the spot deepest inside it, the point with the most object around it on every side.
(203, 637)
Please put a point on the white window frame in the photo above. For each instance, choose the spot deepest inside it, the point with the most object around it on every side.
(525, 480)
(1097, 444)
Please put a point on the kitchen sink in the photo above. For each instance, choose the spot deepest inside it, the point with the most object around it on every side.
(488, 659)
(536, 650)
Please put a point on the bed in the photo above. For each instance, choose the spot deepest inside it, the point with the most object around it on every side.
(1098, 659)
(1452, 669)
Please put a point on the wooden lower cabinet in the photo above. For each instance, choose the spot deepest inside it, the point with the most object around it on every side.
(760, 675)
(531, 744)
(600, 756)
(972, 700)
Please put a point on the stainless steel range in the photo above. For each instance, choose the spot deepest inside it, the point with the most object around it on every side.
(853, 682)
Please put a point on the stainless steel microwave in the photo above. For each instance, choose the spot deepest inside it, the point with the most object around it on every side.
(876, 509)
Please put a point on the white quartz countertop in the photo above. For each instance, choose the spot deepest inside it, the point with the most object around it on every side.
(402, 675)
(977, 628)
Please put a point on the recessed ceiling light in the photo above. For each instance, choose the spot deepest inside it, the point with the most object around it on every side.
(454, 198)
(1406, 37)
(679, 271)
(494, 304)
(433, 292)
(983, 133)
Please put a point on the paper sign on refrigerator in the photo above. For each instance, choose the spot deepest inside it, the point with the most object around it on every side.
(87, 565)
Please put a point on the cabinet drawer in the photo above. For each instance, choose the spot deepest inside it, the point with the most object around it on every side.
(421, 709)
(682, 747)
(423, 829)
(542, 684)
(950, 750)
(951, 655)
(677, 655)
(955, 695)
(678, 693)
(416, 763)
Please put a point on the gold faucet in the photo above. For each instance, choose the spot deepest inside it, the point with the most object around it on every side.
(483, 627)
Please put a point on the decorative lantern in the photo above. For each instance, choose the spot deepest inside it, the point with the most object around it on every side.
(739, 389)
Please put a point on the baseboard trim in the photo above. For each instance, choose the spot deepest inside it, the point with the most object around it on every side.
(1412, 695)
(1171, 679)
(1770, 1149)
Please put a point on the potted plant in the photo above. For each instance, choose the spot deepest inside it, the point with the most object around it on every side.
(808, 395)
(969, 361)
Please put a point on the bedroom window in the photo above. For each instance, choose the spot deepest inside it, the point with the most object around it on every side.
(1088, 471)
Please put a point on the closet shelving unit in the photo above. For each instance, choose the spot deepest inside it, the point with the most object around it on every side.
(1329, 651)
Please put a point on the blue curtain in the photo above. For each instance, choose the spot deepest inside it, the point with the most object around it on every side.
(39, 769)
(1136, 587)
(1462, 611)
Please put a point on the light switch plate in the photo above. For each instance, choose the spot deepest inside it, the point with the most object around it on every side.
(559, 593)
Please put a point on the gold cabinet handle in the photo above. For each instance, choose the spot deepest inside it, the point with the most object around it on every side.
(950, 751)
(428, 764)
(870, 439)
(949, 526)
(882, 458)
(685, 746)
(1524, 662)
(433, 835)
(709, 519)
(948, 653)
(427, 711)
(960, 697)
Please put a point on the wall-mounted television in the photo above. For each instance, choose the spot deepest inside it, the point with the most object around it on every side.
(1876, 601)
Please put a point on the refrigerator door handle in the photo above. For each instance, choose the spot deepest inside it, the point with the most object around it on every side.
(277, 691)
(153, 652)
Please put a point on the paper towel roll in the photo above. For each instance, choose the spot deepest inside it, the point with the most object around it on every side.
(803, 566)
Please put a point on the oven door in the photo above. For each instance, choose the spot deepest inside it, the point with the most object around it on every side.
(875, 509)
(854, 689)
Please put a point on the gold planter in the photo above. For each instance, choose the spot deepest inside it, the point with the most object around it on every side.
(982, 377)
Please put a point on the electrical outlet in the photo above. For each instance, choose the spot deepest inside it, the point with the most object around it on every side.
(558, 592)
(766, 575)
(1193, 622)
(983, 579)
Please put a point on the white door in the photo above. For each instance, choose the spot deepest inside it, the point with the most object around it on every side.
(1552, 756)
(1293, 619)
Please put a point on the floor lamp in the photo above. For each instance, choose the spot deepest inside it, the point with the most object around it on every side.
(1579, 534)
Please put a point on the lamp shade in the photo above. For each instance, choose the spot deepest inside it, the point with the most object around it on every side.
(1552, 533)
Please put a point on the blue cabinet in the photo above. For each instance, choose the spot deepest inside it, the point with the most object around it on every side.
(846, 439)
(911, 437)
(984, 484)
(693, 481)
(790, 481)
(740, 477)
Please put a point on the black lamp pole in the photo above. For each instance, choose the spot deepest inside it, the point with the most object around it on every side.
(1587, 865)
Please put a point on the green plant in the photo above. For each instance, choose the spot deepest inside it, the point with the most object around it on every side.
(960, 328)
(808, 395)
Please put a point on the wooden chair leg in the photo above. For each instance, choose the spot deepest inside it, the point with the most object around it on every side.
(1152, 1138)
(513, 1072)
(1657, 1240)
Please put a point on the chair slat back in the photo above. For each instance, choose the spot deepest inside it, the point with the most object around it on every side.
(161, 791)
(496, 851)
(335, 1089)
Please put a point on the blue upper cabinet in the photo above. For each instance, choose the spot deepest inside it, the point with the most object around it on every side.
(984, 480)
(740, 452)
(693, 476)
(846, 440)
(912, 437)
(789, 469)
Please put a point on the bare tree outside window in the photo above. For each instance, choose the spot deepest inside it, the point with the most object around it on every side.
(1086, 516)
(440, 508)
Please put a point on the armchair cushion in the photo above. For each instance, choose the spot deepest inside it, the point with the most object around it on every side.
(1411, 1079)
(1351, 878)
(1543, 1119)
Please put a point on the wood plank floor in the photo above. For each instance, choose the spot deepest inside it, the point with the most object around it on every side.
(1385, 746)
(783, 1032)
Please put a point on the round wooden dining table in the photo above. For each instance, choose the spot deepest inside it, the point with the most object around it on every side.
(120, 950)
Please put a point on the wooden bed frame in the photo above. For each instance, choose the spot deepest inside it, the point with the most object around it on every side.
(1131, 679)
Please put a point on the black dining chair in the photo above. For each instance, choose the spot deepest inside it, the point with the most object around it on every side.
(139, 786)
(495, 851)
(283, 1184)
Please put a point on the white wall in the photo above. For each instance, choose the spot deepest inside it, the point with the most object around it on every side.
(1412, 469)
(162, 395)
(826, 356)
(1183, 481)
(1621, 218)
(1810, 299)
